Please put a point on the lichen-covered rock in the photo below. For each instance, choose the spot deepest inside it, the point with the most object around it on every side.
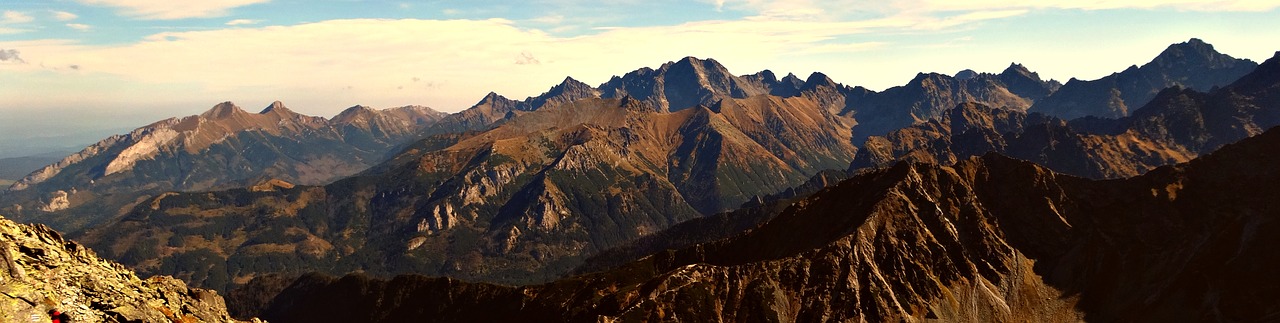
(40, 271)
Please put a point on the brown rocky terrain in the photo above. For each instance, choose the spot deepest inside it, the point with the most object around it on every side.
(41, 271)
(221, 148)
(523, 191)
(989, 239)
(525, 201)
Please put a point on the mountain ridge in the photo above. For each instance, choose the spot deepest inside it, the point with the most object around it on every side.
(223, 146)
(1193, 64)
(989, 239)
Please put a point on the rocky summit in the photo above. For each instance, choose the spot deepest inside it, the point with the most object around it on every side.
(990, 239)
(40, 271)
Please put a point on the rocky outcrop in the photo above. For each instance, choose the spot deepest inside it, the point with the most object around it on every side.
(58, 201)
(1192, 64)
(40, 271)
(991, 239)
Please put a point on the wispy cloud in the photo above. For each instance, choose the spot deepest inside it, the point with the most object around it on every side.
(462, 56)
(239, 22)
(462, 59)
(80, 27)
(63, 15)
(170, 10)
(15, 17)
(1189, 5)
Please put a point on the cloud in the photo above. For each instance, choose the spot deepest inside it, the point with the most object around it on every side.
(170, 10)
(11, 31)
(63, 15)
(80, 27)
(11, 55)
(464, 58)
(14, 17)
(1190, 5)
(238, 22)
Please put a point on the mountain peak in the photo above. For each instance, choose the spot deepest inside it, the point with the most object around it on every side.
(1192, 52)
(357, 109)
(701, 65)
(966, 74)
(815, 80)
(276, 107)
(1017, 69)
(493, 97)
(222, 110)
(768, 76)
(571, 83)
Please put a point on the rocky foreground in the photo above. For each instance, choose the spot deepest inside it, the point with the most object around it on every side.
(40, 271)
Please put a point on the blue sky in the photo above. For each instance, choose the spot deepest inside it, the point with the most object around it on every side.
(110, 65)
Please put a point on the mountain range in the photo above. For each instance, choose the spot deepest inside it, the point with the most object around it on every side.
(988, 239)
(686, 156)
(221, 148)
(1192, 64)
(1176, 125)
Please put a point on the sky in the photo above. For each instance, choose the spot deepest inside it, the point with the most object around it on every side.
(73, 71)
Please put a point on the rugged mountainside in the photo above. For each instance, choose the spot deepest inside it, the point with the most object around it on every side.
(494, 109)
(41, 271)
(223, 147)
(989, 239)
(1193, 64)
(1177, 125)
(522, 191)
(974, 130)
(929, 95)
(525, 201)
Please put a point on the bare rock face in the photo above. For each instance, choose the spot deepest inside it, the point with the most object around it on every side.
(58, 200)
(40, 271)
(990, 239)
